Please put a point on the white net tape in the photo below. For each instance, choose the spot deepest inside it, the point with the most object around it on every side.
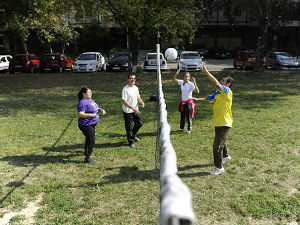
(175, 197)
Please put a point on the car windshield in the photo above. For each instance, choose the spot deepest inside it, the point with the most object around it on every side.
(284, 56)
(190, 56)
(87, 57)
(153, 56)
(20, 57)
(120, 57)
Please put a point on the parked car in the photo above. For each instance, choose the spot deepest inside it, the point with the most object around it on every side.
(151, 62)
(179, 49)
(218, 52)
(203, 52)
(246, 60)
(57, 62)
(121, 61)
(4, 62)
(190, 61)
(282, 60)
(89, 62)
(24, 63)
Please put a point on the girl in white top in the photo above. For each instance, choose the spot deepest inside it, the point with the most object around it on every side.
(186, 107)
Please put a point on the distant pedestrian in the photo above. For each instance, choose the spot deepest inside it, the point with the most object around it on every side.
(131, 98)
(88, 113)
(186, 106)
(222, 118)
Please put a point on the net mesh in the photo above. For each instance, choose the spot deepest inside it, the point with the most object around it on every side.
(175, 197)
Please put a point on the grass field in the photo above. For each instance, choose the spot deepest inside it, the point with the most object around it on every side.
(43, 179)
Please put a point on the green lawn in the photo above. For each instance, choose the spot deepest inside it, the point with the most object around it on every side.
(41, 154)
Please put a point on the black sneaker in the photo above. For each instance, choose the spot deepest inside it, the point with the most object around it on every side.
(88, 160)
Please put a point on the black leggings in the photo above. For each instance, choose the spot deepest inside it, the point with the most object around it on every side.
(186, 114)
(89, 133)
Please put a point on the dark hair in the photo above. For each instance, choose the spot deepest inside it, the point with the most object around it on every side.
(230, 80)
(81, 92)
(130, 75)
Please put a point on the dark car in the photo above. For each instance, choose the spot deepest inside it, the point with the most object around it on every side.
(218, 52)
(282, 60)
(119, 62)
(57, 62)
(246, 60)
(24, 63)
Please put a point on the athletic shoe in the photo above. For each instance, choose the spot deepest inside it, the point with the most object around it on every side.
(136, 139)
(189, 132)
(180, 130)
(132, 146)
(217, 171)
(226, 159)
(88, 160)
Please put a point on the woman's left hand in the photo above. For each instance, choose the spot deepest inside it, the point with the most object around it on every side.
(193, 79)
(102, 111)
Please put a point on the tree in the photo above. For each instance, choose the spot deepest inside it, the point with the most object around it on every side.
(49, 18)
(142, 19)
(268, 13)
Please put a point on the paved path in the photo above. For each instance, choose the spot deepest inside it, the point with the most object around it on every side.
(212, 64)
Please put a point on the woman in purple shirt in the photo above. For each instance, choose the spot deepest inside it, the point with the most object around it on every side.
(88, 113)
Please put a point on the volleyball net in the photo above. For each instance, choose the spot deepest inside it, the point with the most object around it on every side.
(175, 197)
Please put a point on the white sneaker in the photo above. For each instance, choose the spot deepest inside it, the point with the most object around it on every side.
(217, 171)
(226, 159)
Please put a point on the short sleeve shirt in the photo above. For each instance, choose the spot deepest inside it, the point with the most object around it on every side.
(130, 95)
(186, 90)
(87, 106)
(222, 99)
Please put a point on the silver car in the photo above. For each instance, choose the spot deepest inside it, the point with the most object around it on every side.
(190, 61)
(282, 60)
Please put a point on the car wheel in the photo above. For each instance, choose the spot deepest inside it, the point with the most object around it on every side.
(277, 67)
(234, 66)
(244, 67)
(60, 69)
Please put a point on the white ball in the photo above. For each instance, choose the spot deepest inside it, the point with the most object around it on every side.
(171, 54)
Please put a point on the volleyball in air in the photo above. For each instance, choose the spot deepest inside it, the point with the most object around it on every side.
(171, 54)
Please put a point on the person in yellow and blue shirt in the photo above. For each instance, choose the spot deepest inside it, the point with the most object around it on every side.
(222, 118)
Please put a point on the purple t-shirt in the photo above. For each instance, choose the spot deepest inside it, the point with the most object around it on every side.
(87, 106)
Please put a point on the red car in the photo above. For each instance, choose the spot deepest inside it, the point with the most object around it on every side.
(57, 62)
(24, 63)
(246, 60)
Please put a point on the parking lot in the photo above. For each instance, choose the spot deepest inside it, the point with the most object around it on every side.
(212, 64)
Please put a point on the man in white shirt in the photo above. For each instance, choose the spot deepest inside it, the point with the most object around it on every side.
(133, 121)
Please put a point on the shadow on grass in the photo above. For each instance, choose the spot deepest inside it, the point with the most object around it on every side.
(132, 173)
(34, 163)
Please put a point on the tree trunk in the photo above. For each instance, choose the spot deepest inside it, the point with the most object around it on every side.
(23, 45)
(134, 46)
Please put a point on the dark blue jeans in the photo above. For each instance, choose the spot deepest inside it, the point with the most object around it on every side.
(89, 133)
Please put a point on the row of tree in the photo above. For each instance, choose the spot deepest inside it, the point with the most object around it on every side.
(56, 20)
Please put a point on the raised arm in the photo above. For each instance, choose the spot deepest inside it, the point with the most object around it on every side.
(175, 76)
(195, 84)
(211, 78)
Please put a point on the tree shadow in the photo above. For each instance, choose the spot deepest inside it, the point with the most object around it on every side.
(132, 173)
(36, 160)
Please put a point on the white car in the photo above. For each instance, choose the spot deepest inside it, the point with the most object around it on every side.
(151, 62)
(89, 62)
(190, 61)
(4, 62)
